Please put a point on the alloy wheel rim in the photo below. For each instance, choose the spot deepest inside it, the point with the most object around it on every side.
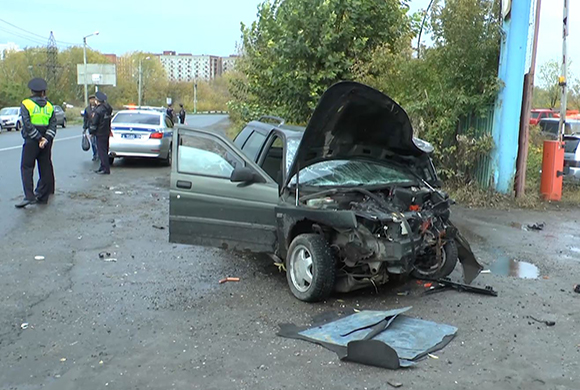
(301, 268)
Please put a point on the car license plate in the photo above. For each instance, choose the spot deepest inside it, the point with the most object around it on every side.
(131, 136)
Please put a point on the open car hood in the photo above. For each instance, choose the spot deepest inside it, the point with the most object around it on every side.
(354, 120)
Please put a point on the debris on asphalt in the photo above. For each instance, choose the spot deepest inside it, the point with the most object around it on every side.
(432, 356)
(24, 326)
(577, 288)
(548, 323)
(403, 293)
(159, 227)
(537, 226)
(361, 337)
(446, 284)
(107, 256)
(281, 267)
(485, 271)
(118, 192)
(63, 359)
(394, 384)
(38, 257)
(229, 279)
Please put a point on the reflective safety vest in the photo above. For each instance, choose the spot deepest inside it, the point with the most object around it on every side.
(39, 116)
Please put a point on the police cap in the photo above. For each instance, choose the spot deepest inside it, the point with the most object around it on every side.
(101, 96)
(91, 96)
(37, 84)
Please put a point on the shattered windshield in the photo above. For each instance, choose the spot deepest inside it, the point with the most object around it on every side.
(291, 148)
(346, 173)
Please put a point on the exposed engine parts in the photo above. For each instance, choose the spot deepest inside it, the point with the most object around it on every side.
(400, 230)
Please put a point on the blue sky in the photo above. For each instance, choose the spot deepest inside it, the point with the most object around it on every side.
(197, 26)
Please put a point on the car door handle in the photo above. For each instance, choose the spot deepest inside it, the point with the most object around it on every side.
(184, 184)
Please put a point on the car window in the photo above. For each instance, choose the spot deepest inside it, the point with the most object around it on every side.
(253, 145)
(57, 109)
(571, 144)
(535, 115)
(137, 117)
(202, 155)
(9, 111)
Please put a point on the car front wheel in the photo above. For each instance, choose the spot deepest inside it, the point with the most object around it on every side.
(434, 269)
(310, 268)
(64, 123)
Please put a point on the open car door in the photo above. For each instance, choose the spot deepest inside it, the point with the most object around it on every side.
(218, 197)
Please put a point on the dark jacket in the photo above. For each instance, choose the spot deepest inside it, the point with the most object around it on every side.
(182, 114)
(88, 116)
(32, 132)
(101, 120)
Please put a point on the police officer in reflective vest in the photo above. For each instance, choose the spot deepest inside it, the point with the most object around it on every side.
(38, 132)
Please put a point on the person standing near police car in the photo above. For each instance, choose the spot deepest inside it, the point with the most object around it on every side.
(38, 131)
(101, 127)
(87, 116)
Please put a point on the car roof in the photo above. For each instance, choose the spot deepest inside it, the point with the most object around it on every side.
(289, 131)
(141, 111)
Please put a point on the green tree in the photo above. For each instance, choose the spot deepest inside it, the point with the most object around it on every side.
(549, 74)
(297, 49)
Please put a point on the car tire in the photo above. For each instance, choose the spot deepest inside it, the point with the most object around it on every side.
(449, 262)
(64, 123)
(310, 268)
(167, 161)
(111, 160)
(18, 126)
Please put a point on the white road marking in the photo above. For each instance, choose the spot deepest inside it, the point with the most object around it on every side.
(56, 140)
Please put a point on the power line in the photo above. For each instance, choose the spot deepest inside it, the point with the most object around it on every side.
(37, 41)
(36, 35)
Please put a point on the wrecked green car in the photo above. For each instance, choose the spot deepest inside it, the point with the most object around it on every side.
(346, 203)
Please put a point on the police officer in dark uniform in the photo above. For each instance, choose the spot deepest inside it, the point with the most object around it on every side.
(38, 131)
(101, 127)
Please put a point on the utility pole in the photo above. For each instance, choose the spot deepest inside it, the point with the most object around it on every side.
(195, 96)
(563, 77)
(140, 81)
(85, 63)
(522, 160)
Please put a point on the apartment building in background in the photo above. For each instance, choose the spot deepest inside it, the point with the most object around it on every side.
(189, 67)
(8, 47)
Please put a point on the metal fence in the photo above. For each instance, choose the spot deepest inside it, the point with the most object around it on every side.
(481, 125)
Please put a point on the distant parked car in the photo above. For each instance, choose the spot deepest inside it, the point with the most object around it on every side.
(549, 127)
(141, 133)
(541, 113)
(572, 156)
(60, 116)
(10, 118)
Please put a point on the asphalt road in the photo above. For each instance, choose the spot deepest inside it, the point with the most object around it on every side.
(154, 316)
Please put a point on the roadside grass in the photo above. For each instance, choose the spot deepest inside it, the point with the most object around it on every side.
(73, 116)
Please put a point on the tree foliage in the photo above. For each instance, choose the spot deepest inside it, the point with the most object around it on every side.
(296, 49)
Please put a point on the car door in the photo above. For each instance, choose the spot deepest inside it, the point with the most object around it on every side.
(206, 207)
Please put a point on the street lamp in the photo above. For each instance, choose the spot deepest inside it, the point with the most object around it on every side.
(141, 79)
(85, 62)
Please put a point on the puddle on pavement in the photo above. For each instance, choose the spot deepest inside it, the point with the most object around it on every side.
(510, 267)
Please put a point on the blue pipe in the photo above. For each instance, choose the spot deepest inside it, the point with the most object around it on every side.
(512, 68)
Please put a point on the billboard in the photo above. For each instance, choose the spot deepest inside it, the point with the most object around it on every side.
(97, 74)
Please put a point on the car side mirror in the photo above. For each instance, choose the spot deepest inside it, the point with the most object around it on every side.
(246, 175)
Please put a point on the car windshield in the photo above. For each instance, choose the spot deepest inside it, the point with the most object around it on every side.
(9, 111)
(138, 117)
(349, 173)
